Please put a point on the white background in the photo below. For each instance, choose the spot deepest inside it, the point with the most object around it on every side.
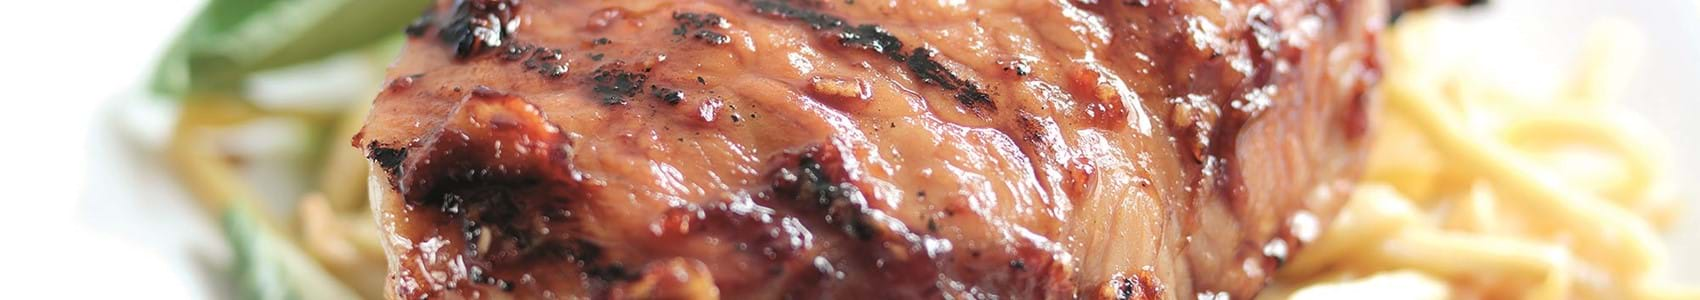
(85, 217)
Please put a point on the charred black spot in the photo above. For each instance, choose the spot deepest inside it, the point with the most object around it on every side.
(693, 20)
(1017, 264)
(545, 54)
(476, 274)
(841, 201)
(1138, 286)
(671, 96)
(544, 61)
(818, 185)
(1020, 67)
(711, 38)
(498, 214)
(584, 252)
(615, 84)
(421, 24)
(515, 52)
(553, 70)
(600, 41)
(388, 158)
(1398, 8)
(703, 26)
(479, 25)
(611, 272)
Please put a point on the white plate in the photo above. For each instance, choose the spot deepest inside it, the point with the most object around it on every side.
(173, 250)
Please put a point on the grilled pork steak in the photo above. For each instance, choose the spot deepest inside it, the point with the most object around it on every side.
(865, 149)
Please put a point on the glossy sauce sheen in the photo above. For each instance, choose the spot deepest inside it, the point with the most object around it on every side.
(1136, 149)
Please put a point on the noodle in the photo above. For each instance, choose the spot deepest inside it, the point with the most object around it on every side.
(1492, 218)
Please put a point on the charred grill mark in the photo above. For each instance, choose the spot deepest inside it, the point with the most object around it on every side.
(930, 71)
(615, 84)
(495, 177)
(874, 38)
(783, 10)
(480, 25)
(819, 185)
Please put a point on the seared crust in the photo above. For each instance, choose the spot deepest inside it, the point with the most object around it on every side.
(866, 149)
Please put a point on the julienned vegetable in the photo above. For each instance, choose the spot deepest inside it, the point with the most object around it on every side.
(230, 39)
(268, 266)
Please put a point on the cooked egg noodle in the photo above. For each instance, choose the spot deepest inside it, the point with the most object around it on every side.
(1476, 191)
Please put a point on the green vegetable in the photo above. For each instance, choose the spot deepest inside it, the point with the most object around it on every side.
(270, 267)
(230, 39)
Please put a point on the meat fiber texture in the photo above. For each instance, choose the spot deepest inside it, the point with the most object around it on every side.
(863, 149)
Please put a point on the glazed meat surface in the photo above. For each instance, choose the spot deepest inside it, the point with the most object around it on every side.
(866, 149)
